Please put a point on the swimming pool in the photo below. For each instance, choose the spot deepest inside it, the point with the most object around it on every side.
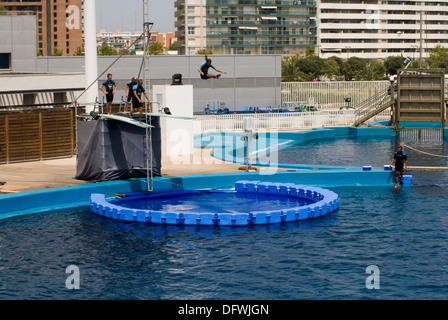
(405, 235)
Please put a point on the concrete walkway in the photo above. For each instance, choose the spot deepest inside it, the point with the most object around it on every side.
(61, 172)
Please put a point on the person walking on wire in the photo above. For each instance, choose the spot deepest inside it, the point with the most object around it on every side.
(401, 163)
(203, 70)
(109, 88)
(137, 101)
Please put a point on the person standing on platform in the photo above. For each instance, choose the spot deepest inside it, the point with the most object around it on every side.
(401, 163)
(129, 93)
(109, 88)
(137, 101)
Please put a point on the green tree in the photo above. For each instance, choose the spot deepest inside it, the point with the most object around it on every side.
(393, 63)
(438, 58)
(79, 51)
(416, 64)
(311, 66)
(291, 71)
(204, 51)
(57, 52)
(106, 50)
(309, 52)
(375, 70)
(330, 68)
(354, 68)
(340, 63)
(156, 49)
(3, 10)
(173, 47)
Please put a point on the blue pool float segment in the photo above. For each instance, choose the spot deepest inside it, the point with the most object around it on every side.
(322, 201)
(407, 178)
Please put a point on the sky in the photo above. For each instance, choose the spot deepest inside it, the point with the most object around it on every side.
(127, 15)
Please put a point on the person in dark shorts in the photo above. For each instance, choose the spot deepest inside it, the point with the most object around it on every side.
(137, 102)
(401, 163)
(203, 70)
(109, 88)
(128, 90)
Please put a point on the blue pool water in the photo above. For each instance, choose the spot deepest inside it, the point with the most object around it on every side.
(405, 235)
(359, 151)
(225, 202)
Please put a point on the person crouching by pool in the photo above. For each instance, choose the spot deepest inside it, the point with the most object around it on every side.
(203, 70)
(137, 102)
(401, 163)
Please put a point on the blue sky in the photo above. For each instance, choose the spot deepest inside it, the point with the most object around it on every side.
(127, 15)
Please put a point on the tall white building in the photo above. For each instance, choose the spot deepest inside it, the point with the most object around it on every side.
(191, 26)
(376, 29)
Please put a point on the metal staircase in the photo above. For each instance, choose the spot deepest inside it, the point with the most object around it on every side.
(374, 105)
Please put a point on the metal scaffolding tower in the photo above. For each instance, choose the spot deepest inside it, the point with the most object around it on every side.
(146, 83)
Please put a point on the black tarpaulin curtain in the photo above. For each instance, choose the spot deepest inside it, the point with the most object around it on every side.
(114, 150)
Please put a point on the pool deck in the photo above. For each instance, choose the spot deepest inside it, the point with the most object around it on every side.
(61, 172)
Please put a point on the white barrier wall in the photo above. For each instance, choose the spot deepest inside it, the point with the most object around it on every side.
(177, 134)
(250, 80)
(280, 121)
(331, 95)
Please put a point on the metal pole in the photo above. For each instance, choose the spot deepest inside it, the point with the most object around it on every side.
(91, 59)
(149, 155)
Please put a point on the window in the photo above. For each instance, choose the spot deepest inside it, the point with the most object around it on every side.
(190, 30)
(5, 61)
(191, 20)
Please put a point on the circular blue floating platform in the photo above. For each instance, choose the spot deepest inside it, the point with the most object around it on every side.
(278, 203)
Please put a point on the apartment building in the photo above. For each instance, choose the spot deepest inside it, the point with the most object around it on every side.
(120, 40)
(246, 26)
(59, 23)
(376, 29)
(190, 25)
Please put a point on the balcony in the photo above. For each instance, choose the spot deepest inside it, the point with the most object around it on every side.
(262, 23)
(285, 3)
(256, 13)
(260, 33)
(257, 43)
